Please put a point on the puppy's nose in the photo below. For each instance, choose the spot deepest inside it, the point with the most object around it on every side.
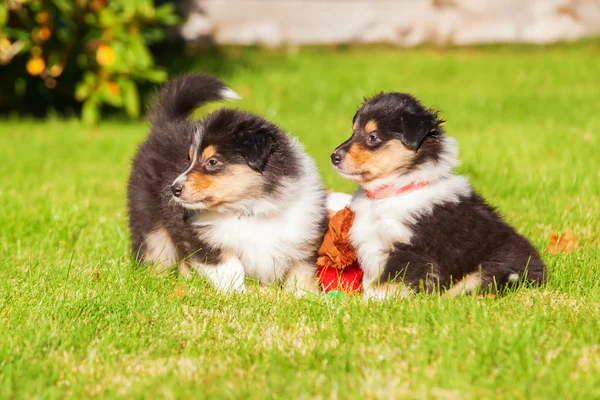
(336, 158)
(177, 189)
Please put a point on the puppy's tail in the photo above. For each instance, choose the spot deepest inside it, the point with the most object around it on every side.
(183, 94)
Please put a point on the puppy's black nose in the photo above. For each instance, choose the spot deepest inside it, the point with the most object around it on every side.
(177, 188)
(336, 158)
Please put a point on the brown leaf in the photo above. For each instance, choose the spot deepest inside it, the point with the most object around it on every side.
(178, 292)
(563, 243)
(97, 274)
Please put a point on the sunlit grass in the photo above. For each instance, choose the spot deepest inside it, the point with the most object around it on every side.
(78, 320)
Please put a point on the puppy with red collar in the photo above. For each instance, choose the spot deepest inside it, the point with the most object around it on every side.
(417, 225)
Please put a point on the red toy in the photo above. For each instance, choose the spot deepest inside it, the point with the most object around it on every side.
(337, 264)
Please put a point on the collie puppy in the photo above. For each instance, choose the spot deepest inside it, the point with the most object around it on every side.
(417, 225)
(228, 196)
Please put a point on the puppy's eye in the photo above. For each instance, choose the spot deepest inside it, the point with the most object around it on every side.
(373, 140)
(212, 163)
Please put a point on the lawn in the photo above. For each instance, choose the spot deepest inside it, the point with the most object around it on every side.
(77, 319)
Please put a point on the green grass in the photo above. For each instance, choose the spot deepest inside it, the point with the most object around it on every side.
(78, 320)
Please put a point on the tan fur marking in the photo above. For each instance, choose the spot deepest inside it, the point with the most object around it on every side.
(374, 164)
(371, 126)
(198, 182)
(359, 156)
(160, 249)
(465, 286)
(237, 182)
(392, 157)
(208, 152)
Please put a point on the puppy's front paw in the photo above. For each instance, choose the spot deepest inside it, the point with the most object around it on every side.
(228, 277)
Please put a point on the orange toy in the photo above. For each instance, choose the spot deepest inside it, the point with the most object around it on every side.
(337, 264)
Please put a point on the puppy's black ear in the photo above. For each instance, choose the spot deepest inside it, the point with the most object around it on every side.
(256, 148)
(414, 129)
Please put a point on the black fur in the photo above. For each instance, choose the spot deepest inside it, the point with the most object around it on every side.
(457, 239)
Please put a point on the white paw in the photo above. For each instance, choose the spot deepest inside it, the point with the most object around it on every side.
(228, 277)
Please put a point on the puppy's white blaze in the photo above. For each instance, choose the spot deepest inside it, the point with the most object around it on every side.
(513, 278)
(182, 177)
(229, 94)
(226, 277)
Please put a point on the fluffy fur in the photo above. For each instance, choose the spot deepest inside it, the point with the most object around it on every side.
(442, 236)
(229, 196)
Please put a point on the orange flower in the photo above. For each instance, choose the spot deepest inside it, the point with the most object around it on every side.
(35, 66)
(105, 55)
(44, 33)
(113, 88)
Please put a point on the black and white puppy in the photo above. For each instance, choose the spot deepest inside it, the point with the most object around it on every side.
(417, 225)
(229, 196)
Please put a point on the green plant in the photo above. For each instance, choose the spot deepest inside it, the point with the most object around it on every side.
(93, 51)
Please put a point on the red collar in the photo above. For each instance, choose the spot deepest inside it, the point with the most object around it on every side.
(390, 191)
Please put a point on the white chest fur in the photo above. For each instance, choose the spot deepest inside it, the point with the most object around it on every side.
(380, 224)
(265, 245)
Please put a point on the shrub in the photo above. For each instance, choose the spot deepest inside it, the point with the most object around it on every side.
(94, 52)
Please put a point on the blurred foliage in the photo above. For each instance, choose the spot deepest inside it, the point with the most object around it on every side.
(94, 53)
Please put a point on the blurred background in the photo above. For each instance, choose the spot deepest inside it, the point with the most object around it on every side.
(96, 57)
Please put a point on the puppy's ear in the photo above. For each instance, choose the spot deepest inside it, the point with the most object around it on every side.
(256, 148)
(414, 129)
